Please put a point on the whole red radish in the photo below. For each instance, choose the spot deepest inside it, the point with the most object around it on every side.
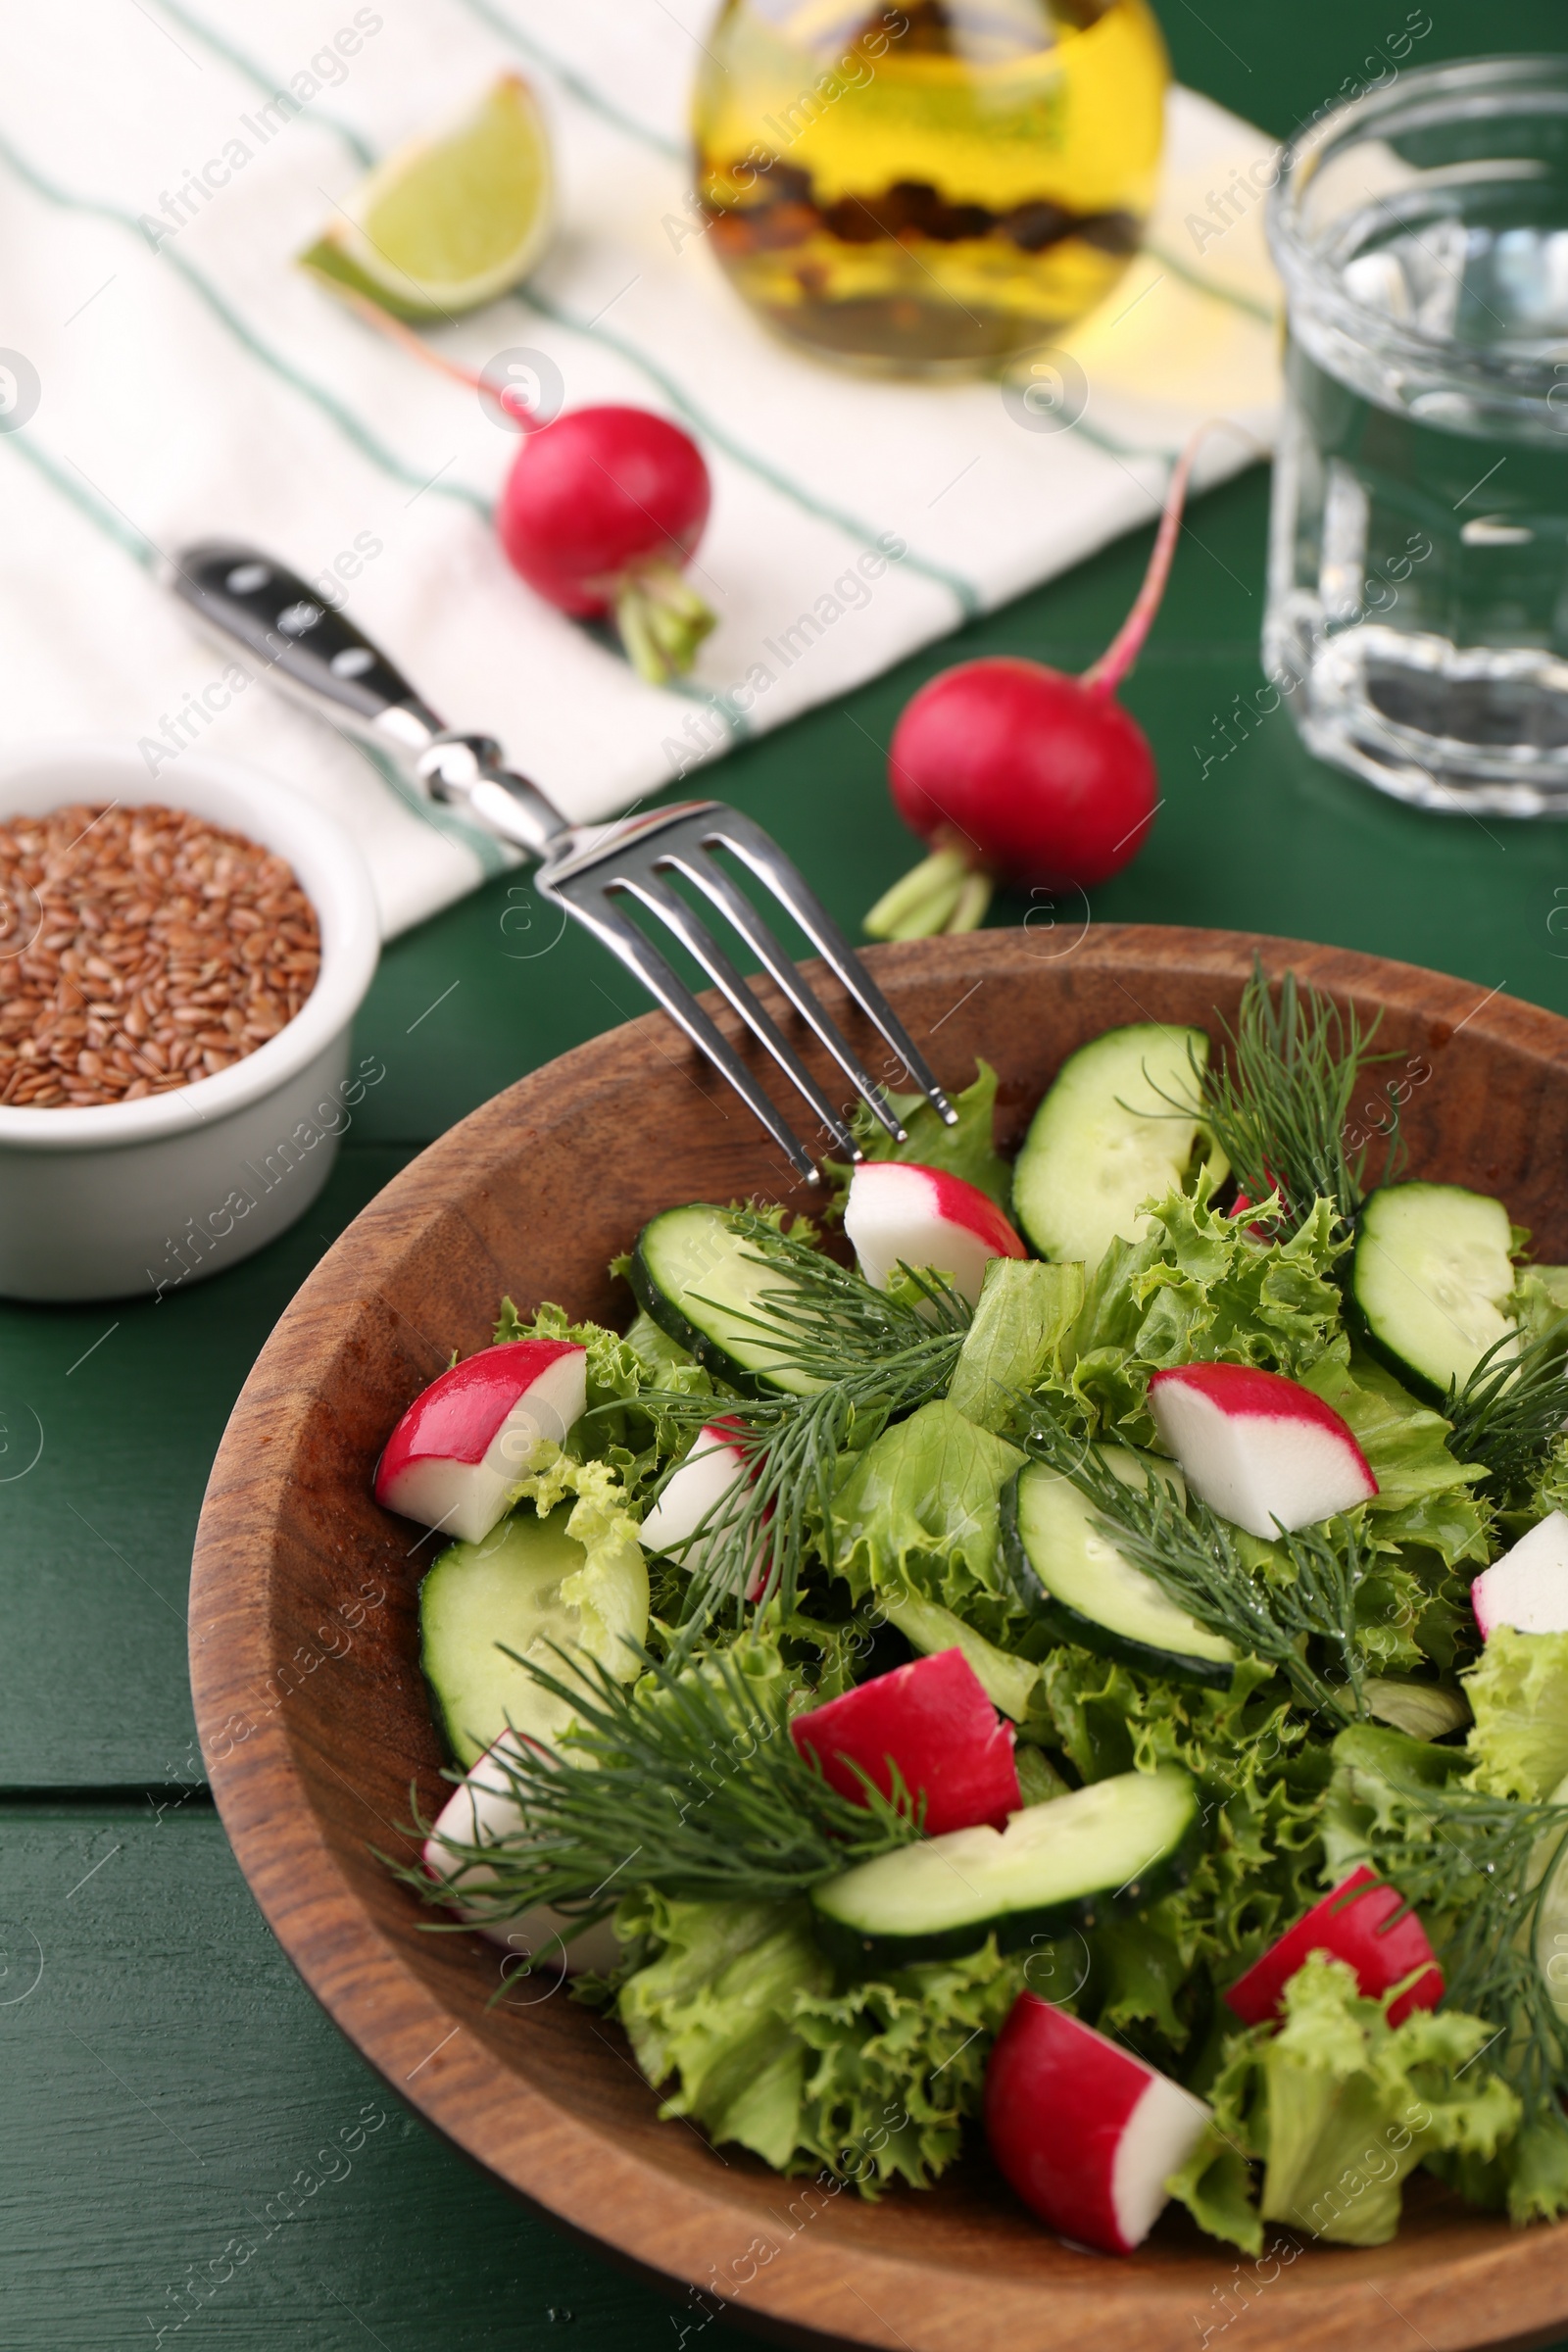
(601, 509)
(1018, 773)
(600, 513)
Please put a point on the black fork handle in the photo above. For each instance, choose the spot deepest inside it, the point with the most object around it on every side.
(306, 645)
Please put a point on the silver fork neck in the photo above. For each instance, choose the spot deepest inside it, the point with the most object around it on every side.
(582, 847)
(467, 771)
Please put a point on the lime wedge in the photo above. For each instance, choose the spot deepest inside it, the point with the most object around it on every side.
(447, 224)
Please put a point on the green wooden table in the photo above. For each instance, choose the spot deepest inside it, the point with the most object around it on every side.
(167, 2090)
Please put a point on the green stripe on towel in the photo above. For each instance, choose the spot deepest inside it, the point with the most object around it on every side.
(222, 47)
(330, 406)
(569, 79)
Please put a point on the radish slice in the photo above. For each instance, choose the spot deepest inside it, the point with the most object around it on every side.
(924, 1217)
(934, 1722)
(1259, 1449)
(1087, 2133)
(480, 1812)
(455, 1457)
(1382, 1950)
(710, 1473)
(1527, 1588)
(715, 1467)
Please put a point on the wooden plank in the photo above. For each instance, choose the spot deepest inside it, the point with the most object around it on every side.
(122, 1405)
(188, 2145)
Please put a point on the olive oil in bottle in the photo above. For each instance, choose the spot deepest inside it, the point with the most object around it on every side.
(932, 187)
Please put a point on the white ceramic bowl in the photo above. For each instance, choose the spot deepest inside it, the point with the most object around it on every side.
(147, 1196)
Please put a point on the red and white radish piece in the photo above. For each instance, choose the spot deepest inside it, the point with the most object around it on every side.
(1015, 773)
(463, 1445)
(1258, 1448)
(1087, 2133)
(933, 1721)
(482, 1811)
(924, 1217)
(1527, 1588)
(1382, 1950)
(710, 1473)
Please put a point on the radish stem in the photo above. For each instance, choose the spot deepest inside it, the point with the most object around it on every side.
(1115, 663)
(943, 892)
(418, 348)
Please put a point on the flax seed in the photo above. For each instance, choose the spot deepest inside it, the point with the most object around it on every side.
(148, 949)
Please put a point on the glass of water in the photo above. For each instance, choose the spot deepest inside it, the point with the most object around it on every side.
(1417, 615)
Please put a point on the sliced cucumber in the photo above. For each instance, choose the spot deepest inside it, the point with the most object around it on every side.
(703, 1285)
(514, 1589)
(1076, 1861)
(1429, 1278)
(1105, 1141)
(1079, 1586)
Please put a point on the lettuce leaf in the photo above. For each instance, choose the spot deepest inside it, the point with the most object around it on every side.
(610, 1591)
(899, 2065)
(1373, 1768)
(919, 1511)
(1547, 1490)
(619, 1370)
(869, 2084)
(1341, 2106)
(1518, 1695)
(967, 1150)
(1026, 1311)
(1527, 2179)
(1198, 1288)
(663, 1363)
(1423, 1493)
(1263, 1778)
(1540, 1298)
(713, 2009)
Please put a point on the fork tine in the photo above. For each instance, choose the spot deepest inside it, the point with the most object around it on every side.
(700, 943)
(706, 875)
(624, 941)
(767, 861)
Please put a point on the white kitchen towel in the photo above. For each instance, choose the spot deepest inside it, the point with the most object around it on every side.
(167, 374)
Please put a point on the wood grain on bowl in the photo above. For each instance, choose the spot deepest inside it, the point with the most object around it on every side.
(314, 1721)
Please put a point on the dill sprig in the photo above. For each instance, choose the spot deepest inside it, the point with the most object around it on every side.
(688, 1783)
(1190, 1555)
(1511, 1408)
(1476, 1864)
(877, 1355)
(1279, 1102)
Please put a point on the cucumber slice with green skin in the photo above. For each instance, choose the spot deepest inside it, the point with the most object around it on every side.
(1075, 1862)
(510, 1590)
(697, 1278)
(1079, 1586)
(1105, 1141)
(1429, 1277)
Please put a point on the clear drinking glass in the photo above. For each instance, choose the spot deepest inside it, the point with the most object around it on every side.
(1417, 615)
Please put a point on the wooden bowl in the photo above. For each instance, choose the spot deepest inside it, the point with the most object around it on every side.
(314, 1720)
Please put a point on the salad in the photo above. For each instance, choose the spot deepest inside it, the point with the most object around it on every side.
(1091, 1675)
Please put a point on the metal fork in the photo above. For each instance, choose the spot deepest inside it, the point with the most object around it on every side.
(309, 650)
